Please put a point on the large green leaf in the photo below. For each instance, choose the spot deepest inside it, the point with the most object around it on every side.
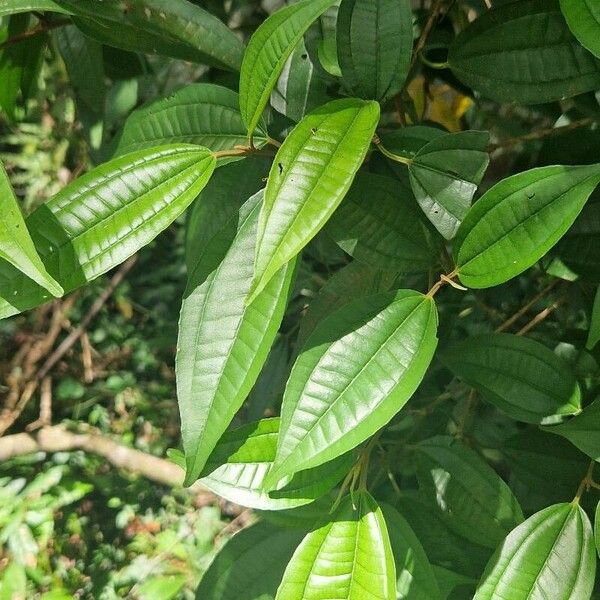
(175, 28)
(200, 113)
(105, 216)
(223, 341)
(379, 224)
(349, 557)
(520, 376)
(594, 332)
(471, 497)
(356, 371)
(583, 19)
(374, 46)
(518, 220)
(551, 555)
(444, 175)
(13, 7)
(415, 578)
(312, 172)
(16, 245)
(251, 564)
(268, 51)
(523, 52)
(583, 431)
(239, 463)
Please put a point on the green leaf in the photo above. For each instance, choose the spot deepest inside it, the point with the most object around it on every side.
(14, 7)
(13, 583)
(200, 113)
(523, 52)
(311, 174)
(551, 555)
(415, 578)
(251, 564)
(356, 371)
(583, 19)
(268, 51)
(471, 497)
(374, 46)
(597, 528)
(106, 216)
(223, 341)
(583, 431)
(349, 557)
(16, 245)
(518, 220)
(523, 378)
(175, 28)
(378, 223)
(407, 141)
(594, 332)
(164, 587)
(444, 175)
(239, 463)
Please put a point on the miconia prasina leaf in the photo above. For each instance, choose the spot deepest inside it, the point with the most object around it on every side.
(523, 378)
(518, 220)
(311, 174)
(551, 555)
(470, 496)
(223, 341)
(349, 557)
(268, 51)
(583, 19)
(523, 52)
(104, 217)
(356, 371)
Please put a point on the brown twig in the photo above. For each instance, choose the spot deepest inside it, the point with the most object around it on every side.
(86, 358)
(541, 316)
(433, 15)
(45, 418)
(37, 30)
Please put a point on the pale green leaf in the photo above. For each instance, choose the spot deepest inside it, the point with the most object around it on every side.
(13, 7)
(583, 19)
(349, 557)
(594, 332)
(518, 220)
(311, 174)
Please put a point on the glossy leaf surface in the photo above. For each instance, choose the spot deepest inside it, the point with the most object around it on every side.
(518, 220)
(349, 557)
(357, 370)
(14, 7)
(223, 342)
(471, 497)
(583, 19)
(237, 468)
(374, 46)
(268, 51)
(311, 174)
(520, 376)
(444, 175)
(106, 216)
(523, 52)
(551, 555)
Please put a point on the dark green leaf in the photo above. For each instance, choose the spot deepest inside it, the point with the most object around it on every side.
(523, 52)
(594, 332)
(518, 220)
(583, 19)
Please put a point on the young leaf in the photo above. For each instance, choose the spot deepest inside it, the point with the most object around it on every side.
(356, 371)
(199, 113)
(240, 461)
(106, 216)
(472, 499)
(175, 28)
(378, 223)
(16, 245)
(349, 557)
(551, 555)
(583, 19)
(594, 332)
(520, 376)
(415, 578)
(583, 431)
(444, 176)
(311, 174)
(223, 342)
(268, 51)
(518, 220)
(523, 52)
(374, 46)
(251, 564)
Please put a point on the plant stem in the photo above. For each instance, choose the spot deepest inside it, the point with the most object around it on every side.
(405, 160)
(586, 483)
(37, 30)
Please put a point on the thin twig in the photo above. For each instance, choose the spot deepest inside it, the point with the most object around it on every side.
(433, 15)
(37, 30)
(45, 418)
(541, 316)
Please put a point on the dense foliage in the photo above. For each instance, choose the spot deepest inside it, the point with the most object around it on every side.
(392, 241)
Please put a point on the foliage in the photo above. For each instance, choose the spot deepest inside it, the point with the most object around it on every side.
(391, 240)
